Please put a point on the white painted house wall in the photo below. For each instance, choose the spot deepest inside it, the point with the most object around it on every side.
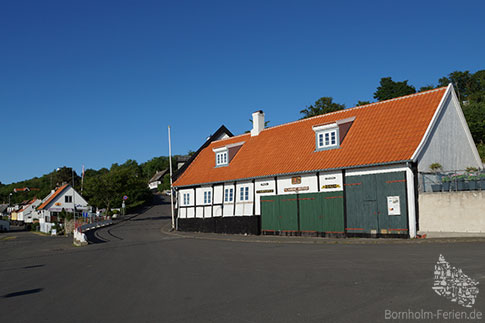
(309, 181)
(228, 206)
(450, 142)
(29, 214)
(270, 185)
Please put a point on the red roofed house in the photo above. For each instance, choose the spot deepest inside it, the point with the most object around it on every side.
(64, 197)
(27, 213)
(350, 172)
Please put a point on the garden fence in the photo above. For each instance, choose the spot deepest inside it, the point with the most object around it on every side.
(459, 180)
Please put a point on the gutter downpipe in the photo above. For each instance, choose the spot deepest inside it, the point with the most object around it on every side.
(412, 199)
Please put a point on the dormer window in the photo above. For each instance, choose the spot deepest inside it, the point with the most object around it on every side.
(225, 154)
(221, 157)
(327, 136)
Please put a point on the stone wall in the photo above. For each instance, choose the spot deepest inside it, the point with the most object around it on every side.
(452, 212)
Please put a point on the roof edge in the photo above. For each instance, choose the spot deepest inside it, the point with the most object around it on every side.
(426, 136)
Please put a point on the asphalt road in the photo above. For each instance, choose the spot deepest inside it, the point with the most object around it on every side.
(137, 273)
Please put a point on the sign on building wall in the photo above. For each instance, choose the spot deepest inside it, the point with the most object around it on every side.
(297, 189)
(393, 205)
(331, 182)
(296, 180)
(264, 191)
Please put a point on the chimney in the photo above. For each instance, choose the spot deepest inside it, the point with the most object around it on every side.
(258, 123)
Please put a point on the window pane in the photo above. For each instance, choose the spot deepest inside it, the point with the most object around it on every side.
(327, 139)
(230, 199)
(320, 140)
(333, 137)
(247, 193)
(241, 197)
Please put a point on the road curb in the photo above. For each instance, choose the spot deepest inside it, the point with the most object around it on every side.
(310, 240)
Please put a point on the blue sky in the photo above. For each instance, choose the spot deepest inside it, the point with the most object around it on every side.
(97, 82)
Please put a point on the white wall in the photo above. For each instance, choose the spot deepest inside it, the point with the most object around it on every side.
(218, 194)
(228, 209)
(309, 181)
(183, 211)
(452, 212)
(331, 182)
(450, 142)
(244, 207)
(80, 202)
(264, 187)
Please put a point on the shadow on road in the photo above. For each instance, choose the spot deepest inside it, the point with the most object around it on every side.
(93, 237)
(24, 292)
(153, 218)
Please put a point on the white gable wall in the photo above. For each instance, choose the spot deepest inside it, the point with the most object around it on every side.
(449, 142)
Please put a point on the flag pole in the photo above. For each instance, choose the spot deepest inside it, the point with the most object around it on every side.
(171, 188)
(82, 181)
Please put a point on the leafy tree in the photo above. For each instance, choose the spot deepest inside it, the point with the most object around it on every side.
(475, 117)
(107, 189)
(426, 88)
(321, 106)
(359, 103)
(389, 89)
(462, 81)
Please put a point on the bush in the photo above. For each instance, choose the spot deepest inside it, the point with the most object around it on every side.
(35, 226)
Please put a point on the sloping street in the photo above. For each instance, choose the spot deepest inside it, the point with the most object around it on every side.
(137, 272)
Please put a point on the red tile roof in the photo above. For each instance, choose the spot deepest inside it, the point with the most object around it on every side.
(53, 196)
(382, 132)
(28, 204)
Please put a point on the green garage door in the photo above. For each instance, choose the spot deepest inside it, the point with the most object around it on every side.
(368, 198)
(279, 213)
(321, 212)
(310, 212)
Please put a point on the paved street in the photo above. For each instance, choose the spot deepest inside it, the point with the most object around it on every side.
(138, 272)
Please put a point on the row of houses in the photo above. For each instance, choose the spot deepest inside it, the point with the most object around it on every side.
(48, 209)
(350, 172)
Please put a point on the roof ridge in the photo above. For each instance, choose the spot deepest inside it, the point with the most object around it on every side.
(340, 111)
(357, 107)
(240, 135)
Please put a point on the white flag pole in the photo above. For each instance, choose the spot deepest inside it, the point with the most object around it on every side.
(171, 189)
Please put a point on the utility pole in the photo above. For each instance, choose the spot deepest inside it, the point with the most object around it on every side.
(171, 189)
(73, 201)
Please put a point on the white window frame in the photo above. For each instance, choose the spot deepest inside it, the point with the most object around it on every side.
(186, 197)
(222, 157)
(228, 194)
(207, 197)
(244, 193)
(323, 136)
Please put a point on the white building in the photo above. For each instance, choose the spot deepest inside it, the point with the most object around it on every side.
(28, 214)
(350, 172)
(63, 198)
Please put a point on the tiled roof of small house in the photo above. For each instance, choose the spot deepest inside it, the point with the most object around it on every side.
(382, 132)
(28, 204)
(52, 197)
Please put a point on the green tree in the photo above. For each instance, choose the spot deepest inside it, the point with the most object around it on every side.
(359, 103)
(107, 189)
(462, 81)
(389, 89)
(426, 88)
(321, 106)
(475, 117)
